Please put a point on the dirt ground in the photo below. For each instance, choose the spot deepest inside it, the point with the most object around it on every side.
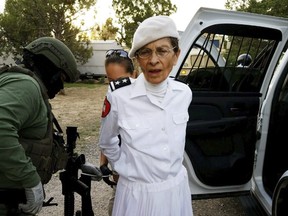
(81, 107)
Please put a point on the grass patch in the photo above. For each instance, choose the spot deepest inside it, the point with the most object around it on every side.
(83, 84)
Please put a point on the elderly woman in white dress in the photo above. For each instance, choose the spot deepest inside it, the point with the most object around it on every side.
(151, 115)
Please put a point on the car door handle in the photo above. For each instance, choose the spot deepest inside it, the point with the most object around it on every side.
(236, 109)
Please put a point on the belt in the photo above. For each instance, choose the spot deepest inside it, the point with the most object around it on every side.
(9, 196)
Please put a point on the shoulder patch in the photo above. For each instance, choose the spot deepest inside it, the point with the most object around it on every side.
(119, 83)
(106, 108)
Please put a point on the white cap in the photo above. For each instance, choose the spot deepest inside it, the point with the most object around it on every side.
(151, 29)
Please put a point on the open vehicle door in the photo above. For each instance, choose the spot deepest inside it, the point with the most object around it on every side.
(227, 96)
(270, 176)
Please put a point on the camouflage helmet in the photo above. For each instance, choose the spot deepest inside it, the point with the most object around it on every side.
(58, 53)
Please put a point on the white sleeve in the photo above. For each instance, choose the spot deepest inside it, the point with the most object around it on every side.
(109, 130)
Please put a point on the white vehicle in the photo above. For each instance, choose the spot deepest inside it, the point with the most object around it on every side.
(95, 67)
(236, 140)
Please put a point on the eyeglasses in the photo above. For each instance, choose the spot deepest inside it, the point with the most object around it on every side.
(161, 52)
(117, 52)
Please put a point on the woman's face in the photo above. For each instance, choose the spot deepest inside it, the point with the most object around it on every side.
(115, 71)
(157, 65)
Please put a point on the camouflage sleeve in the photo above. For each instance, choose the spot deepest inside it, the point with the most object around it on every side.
(18, 108)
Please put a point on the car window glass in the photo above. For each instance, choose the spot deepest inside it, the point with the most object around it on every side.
(213, 61)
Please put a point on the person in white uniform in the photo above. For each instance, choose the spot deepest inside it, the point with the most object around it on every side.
(151, 115)
(118, 67)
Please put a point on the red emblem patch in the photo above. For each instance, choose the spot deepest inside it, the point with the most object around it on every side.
(106, 108)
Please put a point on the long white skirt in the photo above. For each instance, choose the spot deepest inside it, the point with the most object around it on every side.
(169, 198)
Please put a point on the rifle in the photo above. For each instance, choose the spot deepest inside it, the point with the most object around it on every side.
(71, 183)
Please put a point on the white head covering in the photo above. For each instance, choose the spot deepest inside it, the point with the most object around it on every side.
(151, 29)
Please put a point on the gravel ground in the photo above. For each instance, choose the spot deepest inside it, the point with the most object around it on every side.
(81, 107)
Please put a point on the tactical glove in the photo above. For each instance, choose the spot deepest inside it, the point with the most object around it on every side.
(106, 172)
(35, 198)
(91, 170)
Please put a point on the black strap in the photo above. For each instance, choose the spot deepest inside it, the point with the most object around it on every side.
(56, 123)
